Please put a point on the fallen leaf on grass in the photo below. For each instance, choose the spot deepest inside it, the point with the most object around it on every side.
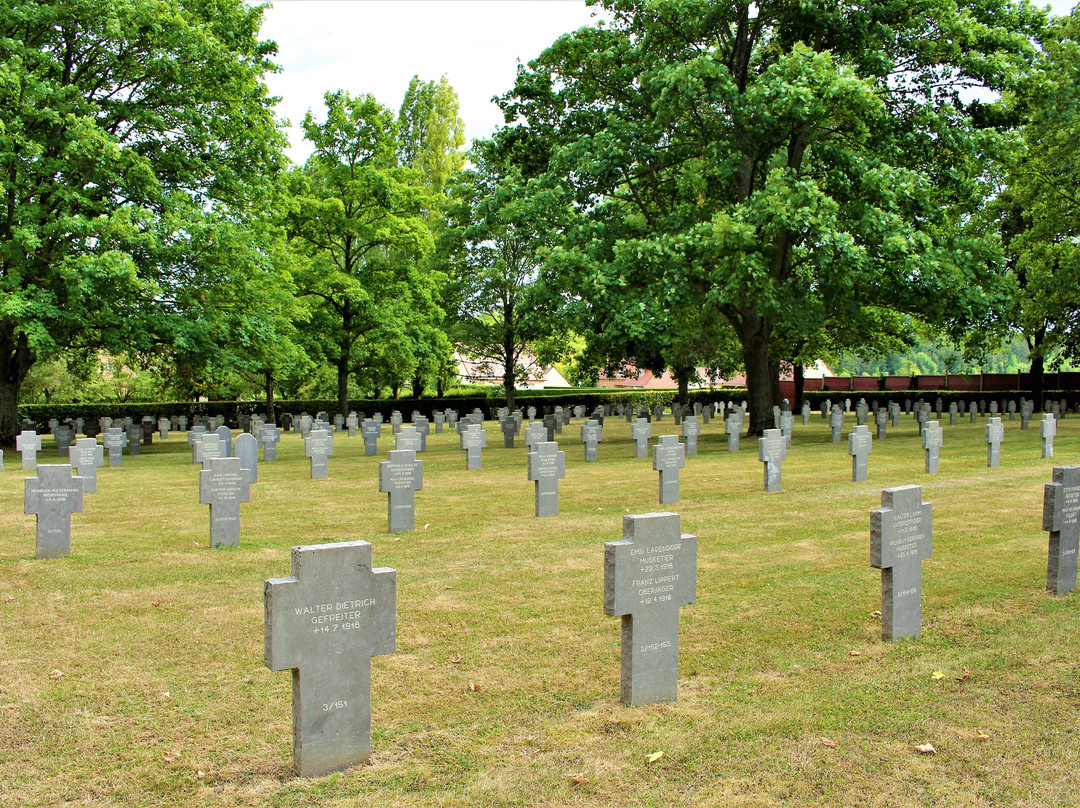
(876, 613)
(655, 756)
(937, 675)
(447, 587)
(200, 774)
(854, 653)
(577, 778)
(155, 603)
(56, 673)
(474, 687)
(427, 525)
(925, 749)
(981, 736)
(830, 743)
(457, 659)
(9, 597)
(964, 676)
(170, 756)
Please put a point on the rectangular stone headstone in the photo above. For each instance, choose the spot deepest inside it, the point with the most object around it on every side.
(325, 622)
(246, 449)
(53, 496)
(269, 436)
(900, 538)
(223, 486)
(1061, 516)
(648, 577)
(545, 466)
(400, 477)
(114, 440)
(371, 431)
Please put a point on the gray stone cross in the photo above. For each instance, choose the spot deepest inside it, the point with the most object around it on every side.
(535, 433)
(115, 440)
(1061, 516)
(269, 436)
(325, 622)
(28, 443)
(931, 440)
(836, 422)
(900, 538)
(223, 486)
(881, 418)
(408, 439)
(209, 448)
(86, 456)
(733, 427)
(371, 431)
(772, 449)
(591, 435)
(995, 434)
(319, 445)
(473, 440)
(546, 465)
(53, 496)
(648, 577)
(641, 431)
(400, 477)
(1047, 430)
(859, 447)
(691, 428)
(668, 457)
(509, 428)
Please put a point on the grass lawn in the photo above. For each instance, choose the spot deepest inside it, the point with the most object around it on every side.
(504, 689)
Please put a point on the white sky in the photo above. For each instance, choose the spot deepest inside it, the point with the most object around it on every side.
(376, 46)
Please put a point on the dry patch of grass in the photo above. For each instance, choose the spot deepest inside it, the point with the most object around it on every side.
(504, 688)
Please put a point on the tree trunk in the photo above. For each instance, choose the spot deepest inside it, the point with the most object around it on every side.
(417, 387)
(343, 381)
(774, 382)
(395, 390)
(16, 359)
(682, 377)
(509, 355)
(754, 332)
(1037, 392)
(800, 384)
(269, 377)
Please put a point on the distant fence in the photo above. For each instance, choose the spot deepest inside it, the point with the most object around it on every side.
(958, 383)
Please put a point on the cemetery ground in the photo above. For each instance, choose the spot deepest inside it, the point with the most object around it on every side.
(131, 671)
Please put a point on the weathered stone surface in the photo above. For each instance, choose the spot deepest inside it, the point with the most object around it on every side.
(53, 496)
(319, 445)
(859, 447)
(400, 477)
(546, 465)
(900, 538)
(648, 577)
(325, 622)
(668, 457)
(1061, 516)
(223, 486)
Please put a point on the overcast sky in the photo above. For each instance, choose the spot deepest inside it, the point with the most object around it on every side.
(376, 46)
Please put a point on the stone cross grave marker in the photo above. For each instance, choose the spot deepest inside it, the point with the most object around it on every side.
(806, 410)
(28, 443)
(195, 435)
(535, 433)
(407, 439)
(339, 421)
(932, 438)
(209, 448)
(836, 423)
(953, 412)
(900, 538)
(509, 428)
(733, 427)
(648, 577)
(223, 486)
(400, 477)
(1061, 516)
(64, 435)
(973, 411)
(894, 414)
(371, 431)
(772, 449)
(473, 440)
(995, 434)
(591, 435)
(549, 425)
(269, 436)
(668, 457)
(440, 419)
(325, 622)
(134, 439)
(691, 429)
(319, 445)
(163, 426)
(881, 418)
(395, 421)
(86, 456)
(787, 425)
(423, 429)
(115, 440)
(53, 496)
(246, 449)
(1012, 409)
(148, 425)
(641, 431)
(352, 423)
(545, 466)
(1027, 409)
(859, 447)
(1047, 430)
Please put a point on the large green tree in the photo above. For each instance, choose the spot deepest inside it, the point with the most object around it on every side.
(357, 225)
(729, 158)
(121, 122)
(1040, 210)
